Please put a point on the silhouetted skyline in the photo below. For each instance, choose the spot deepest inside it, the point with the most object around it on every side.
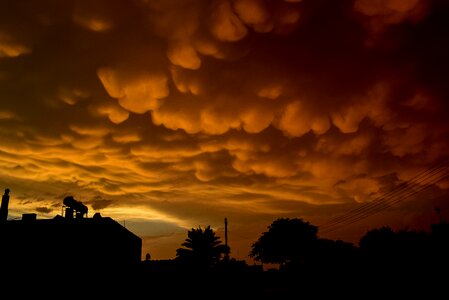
(71, 251)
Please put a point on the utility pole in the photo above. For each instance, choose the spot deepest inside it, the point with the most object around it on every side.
(226, 240)
(438, 211)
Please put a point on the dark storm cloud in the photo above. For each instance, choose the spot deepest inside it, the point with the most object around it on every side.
(98, 203)
(44, 210)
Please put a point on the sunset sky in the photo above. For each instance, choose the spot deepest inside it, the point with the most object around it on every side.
(172, 114)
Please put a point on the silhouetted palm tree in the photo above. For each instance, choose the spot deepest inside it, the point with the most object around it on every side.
(203, 248)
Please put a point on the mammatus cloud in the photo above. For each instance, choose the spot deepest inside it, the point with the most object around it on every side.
(179, 113)
(11, 48)
(135, 95)
(379, 14)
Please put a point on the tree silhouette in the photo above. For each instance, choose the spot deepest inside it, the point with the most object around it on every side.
(379, 243)
(286, 241)
(384, 247)
(203, 249)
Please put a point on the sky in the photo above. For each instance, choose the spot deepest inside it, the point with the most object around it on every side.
(168, 115)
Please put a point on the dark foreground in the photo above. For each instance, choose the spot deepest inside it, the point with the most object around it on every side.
(140, 283)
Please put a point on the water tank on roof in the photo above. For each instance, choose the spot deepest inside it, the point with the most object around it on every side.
(75, 205)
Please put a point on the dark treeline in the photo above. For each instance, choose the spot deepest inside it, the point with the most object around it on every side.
(404, 262)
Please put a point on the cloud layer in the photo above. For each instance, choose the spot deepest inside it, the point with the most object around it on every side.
(182, 112)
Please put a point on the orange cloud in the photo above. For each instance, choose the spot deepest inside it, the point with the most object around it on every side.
(184, 55)
(361, 189)
(126, 137)
(270, 92)
(96, 131)
(296, 120)
(225, 25)
(6, 115)
(185, 83)
(92, 23)
(138, 95)
(379, 14)
(372, 106)
(393, 11)
(351, 145)
(11, 48)
(115, 113)
(254, 13)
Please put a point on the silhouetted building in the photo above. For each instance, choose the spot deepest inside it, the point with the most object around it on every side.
(68, 245)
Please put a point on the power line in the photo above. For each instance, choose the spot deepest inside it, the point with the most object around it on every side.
(384, 206)
(417, 184)
(397, 189)
(385, 203)
(384, 200)
(376, 209)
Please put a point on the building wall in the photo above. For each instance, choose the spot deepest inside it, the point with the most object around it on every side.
(88, 245)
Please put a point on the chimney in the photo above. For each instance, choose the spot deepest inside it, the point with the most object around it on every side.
(4, 206)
